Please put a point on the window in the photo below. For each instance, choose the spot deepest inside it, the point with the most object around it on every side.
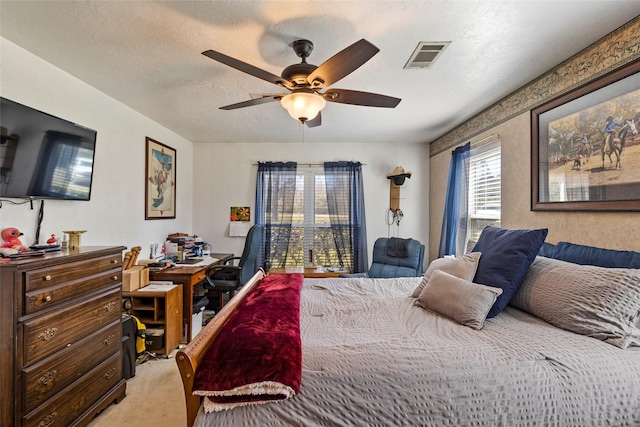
(311, 242)
(484, 189)
(312, 216)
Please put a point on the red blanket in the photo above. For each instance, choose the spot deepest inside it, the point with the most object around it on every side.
(257, 356)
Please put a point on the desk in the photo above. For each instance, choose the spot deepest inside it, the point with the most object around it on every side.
(188, 276)
(311, 272)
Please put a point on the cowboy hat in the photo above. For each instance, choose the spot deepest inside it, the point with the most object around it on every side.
(399, 171)
(398, 175)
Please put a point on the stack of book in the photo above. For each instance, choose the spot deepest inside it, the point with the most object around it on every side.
(185, 243)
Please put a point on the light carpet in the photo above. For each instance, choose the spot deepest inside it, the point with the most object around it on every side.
(154, 398)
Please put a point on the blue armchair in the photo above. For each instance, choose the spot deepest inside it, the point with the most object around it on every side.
(395, 257)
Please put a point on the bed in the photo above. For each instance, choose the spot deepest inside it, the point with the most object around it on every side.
(372, 355)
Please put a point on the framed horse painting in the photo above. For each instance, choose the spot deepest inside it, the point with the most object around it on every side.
(585, 146)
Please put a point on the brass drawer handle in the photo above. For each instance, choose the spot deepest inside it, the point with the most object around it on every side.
(48, 420)
(110, 373)
(114, 261)
(115, 278)
(47, 278)
(48, 334)
(47, 298)
(48, 377)
(109, 340)
(110, 306)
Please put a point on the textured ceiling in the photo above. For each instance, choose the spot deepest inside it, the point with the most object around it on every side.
(147, 55)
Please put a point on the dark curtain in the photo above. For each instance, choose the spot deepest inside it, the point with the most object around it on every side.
(275, 191)
(454, 223)
(345, 200)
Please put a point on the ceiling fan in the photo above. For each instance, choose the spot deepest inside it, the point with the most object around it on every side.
(305, 82)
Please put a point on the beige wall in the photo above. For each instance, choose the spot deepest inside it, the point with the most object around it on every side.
(604, 229)
(510, 119)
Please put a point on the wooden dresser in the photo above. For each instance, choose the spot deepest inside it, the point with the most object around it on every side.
(60, 337)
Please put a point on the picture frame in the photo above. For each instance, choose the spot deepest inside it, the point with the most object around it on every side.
(160, 181)
(585, 146)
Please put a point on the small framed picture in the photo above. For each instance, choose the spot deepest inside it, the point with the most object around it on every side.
(160, 181)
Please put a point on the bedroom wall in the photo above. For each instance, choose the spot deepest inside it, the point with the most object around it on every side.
(616, 230)
(225, 176)
(115, 213)
(222, 175)
(510, 119)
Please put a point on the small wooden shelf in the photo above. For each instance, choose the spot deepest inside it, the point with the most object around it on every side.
(160, 309)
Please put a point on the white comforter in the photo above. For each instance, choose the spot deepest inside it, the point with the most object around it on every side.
(372, 358)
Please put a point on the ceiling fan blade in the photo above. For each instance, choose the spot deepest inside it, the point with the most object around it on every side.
(252, 102)
(342, 64)
(247, 68)
(355, 97)
(316, 121)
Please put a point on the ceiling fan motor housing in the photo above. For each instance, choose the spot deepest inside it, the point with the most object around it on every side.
(298, 73)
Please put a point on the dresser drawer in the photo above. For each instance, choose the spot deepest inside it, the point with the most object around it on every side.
(47, 377)
(47, 334)
(47, 287)
(68, 405)
(63, 292)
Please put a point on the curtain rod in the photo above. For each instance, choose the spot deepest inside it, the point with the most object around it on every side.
(486, 140)
(311, 164)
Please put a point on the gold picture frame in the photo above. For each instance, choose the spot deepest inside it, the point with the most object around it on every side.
(160, 181)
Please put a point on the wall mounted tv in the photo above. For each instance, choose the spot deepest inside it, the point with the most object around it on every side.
(42, 156)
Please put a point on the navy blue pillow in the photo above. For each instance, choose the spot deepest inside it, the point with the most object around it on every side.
(591, 255)
(506, 257)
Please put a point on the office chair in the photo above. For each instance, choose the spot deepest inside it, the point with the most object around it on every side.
(227, 278)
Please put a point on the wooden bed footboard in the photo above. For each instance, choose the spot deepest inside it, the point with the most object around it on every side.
(190, 357)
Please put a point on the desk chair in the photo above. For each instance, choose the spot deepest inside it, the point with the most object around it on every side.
(394, 257)
(227, 278)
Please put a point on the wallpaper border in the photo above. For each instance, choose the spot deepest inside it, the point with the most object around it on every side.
(616, 49)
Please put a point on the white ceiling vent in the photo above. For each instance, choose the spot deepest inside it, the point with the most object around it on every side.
(425, 54)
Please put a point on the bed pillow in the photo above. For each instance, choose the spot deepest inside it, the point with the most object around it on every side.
(547, 250)
(591, 255)
(602, 303)
(463, 267)
(461, 300)
(506, 257)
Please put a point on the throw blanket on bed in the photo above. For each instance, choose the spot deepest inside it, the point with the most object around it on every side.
(257, 356)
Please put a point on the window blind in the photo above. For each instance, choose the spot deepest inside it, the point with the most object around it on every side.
(485, 192)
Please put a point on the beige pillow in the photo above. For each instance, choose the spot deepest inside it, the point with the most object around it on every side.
(603, 303)
(465, 302)
(463, 267)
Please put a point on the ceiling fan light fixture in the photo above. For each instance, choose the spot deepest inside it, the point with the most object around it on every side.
(303, 106)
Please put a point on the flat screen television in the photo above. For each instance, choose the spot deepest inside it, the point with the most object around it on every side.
(43, 156)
